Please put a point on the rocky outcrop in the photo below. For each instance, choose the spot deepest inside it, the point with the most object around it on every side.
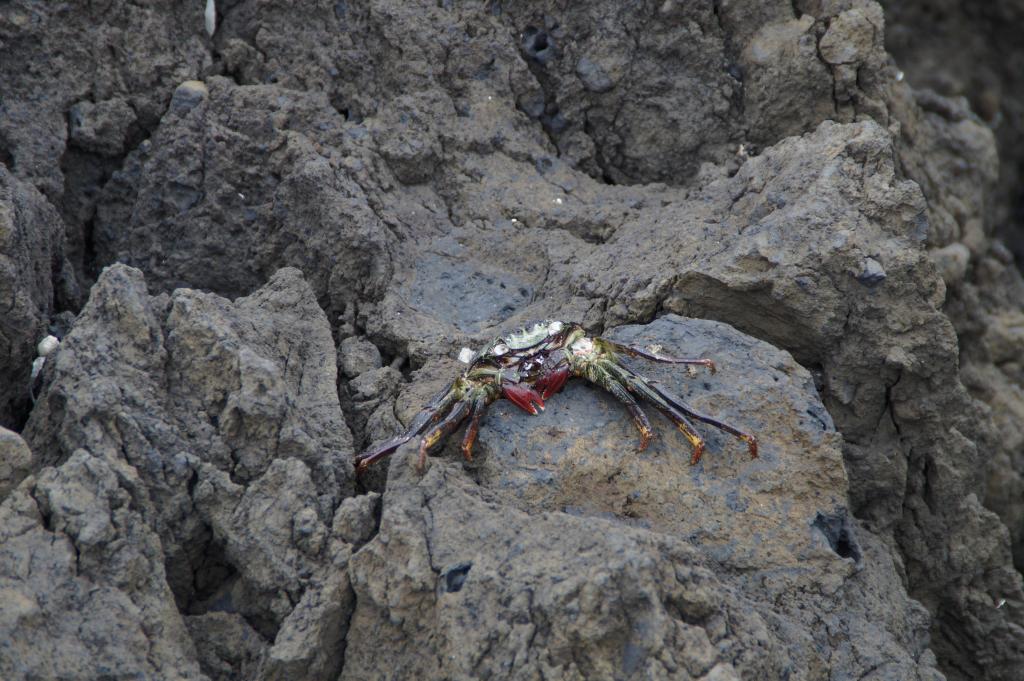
(439, 172)
(225, 419)
(563, 551)
(31, 266)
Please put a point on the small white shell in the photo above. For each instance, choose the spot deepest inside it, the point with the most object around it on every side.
(211, 17)
(555, 327)
(47, 345)
(466, 355)
(37, 366)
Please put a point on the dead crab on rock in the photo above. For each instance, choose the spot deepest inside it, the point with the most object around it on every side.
(527, 367)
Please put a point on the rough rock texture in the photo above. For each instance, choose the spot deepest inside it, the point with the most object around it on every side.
(972, 52)
(572, 556)
(31, 248)
(227, 416)
(439, 171)
(82, 579)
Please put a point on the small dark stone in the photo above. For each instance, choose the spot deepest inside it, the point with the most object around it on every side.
(455, 577)
(872, 274)
(593, 76)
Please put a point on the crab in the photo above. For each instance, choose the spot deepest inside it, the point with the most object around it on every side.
(530, 365)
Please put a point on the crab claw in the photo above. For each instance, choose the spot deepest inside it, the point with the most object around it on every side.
(523, 396)
(551, 382)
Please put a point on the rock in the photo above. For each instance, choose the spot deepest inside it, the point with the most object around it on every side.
(579, 455)
(56, 65)
(297, 210)
(440, 176)
(101, 127)
(84, 594)
(227, 646)
(357, 355)
(593, 76)
(456, 583)
(31, 237)
(194, 394)
(15, 461)
(952, 262)
(815, 312)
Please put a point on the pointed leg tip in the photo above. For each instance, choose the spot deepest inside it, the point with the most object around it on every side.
(698, 452)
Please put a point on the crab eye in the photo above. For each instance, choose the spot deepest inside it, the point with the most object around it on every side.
(499, 349)
(555, 327)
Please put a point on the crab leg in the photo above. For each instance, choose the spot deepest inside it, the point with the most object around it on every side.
(639, 417)
(658, 357)
(476, 413)
(688, 410)
(442, 430)
(638, 385)
(430, 414)
(675, 408)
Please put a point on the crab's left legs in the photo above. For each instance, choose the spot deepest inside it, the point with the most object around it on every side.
(658, 357)
(431, 413)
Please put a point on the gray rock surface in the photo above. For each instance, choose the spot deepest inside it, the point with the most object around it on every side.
(31, 245)
(599, 562)
(15, 461)
(227, 416)
(82, 577)
(442, 171)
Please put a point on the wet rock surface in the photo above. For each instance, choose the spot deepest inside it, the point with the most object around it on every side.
(319, 204)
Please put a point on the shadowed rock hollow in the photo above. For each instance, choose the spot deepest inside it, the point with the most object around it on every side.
(264, 248)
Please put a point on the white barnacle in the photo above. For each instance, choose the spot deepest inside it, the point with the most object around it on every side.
(37, 366)
(47, 346)
(211, 17)
(466, 355)
(555, 327)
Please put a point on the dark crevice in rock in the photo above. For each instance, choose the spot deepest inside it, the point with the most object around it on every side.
(838, 531)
